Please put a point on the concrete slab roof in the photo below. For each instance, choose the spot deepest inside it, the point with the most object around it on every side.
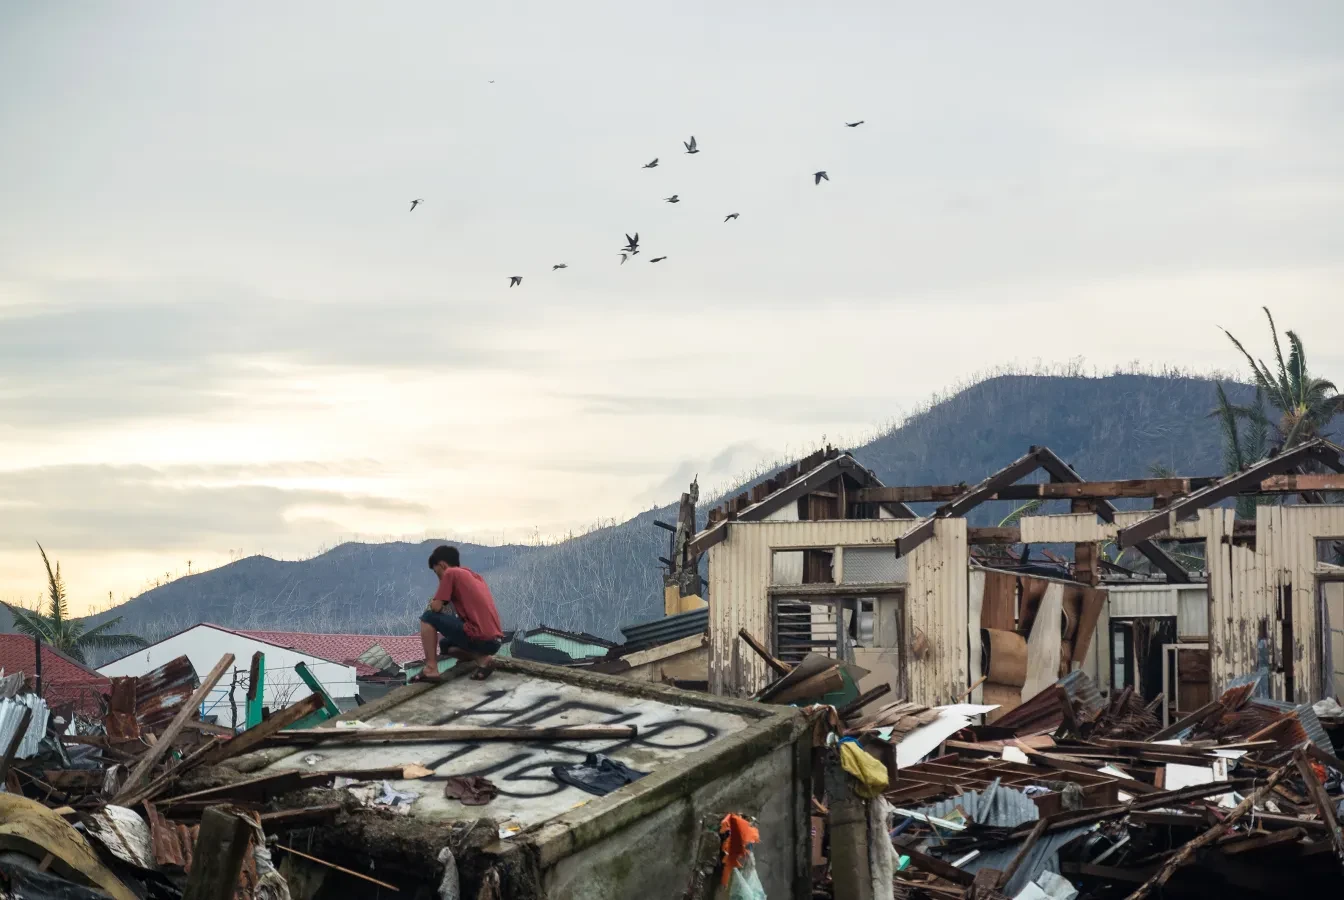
(676, 730)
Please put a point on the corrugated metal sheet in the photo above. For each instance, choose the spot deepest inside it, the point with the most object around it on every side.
(1189, 604)
(160, 693)
(1130, 601)
(11, 713)
(667, 629)
(996, 806)
(1043, 857)
(1244, 593)
(936, 606)
(1071, 528)
(739, 579)
(572, 647)
(1307, 716)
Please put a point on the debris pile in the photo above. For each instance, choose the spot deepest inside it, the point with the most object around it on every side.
(1071, 795)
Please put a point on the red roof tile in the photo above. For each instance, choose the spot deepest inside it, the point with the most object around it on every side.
(63, 679)
(345, 648)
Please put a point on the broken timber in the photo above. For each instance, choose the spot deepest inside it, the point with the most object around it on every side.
(257, 734)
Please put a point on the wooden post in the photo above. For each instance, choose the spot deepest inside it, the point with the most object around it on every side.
(217, 861)
(849, 836)
(14, 743)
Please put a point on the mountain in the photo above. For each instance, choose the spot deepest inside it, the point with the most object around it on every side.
(1109, 427)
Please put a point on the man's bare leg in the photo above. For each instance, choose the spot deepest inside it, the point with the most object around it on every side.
(429, 642)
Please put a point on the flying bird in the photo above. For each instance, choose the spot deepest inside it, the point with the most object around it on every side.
(515, 280)
(652, 165)
(690, 147)
(632, 243)
(673, 199)
(658, 259)
(624, 257)
(854, 124)
(414, 204)
(559, 266)
(820, 175)
(730, 216)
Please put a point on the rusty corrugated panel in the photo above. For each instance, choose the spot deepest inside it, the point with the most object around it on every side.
(160, 693)
(120, 722)
(173, 841)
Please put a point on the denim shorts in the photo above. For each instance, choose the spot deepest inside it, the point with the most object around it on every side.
(454, 633)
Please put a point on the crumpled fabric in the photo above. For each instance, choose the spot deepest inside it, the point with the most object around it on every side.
(866, 769)
(598, 774)
(745, 884)
(471, 790)
(738, 836)
(881, 853)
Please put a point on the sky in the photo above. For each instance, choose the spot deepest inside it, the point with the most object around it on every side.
(222, 331)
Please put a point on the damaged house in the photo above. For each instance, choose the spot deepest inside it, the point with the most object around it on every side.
(825, 559)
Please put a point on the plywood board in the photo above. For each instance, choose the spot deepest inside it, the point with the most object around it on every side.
(1043, 645)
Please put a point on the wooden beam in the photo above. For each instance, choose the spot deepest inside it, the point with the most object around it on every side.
(455, 734)
(1016, 863)
(1211, 708)
(1190, 505)
(993, 535)
(970, 499)
(165, 740)
(935, 866)
(256, 735)
(1294, 483)
(779, 666)
(1062, 471)
(217, 861)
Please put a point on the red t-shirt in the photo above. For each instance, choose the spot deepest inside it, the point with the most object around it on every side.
(470, 597)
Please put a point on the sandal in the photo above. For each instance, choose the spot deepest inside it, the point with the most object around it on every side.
(422, 678)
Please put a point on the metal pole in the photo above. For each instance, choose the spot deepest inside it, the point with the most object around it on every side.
(37, 673)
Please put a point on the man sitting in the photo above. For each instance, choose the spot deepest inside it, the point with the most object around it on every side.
(463, 611)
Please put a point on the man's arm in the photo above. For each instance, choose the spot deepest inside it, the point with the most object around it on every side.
(444, 595)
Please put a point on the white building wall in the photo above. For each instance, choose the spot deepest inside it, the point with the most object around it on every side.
(205, 644)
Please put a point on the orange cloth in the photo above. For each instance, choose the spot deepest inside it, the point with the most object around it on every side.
(738, 836)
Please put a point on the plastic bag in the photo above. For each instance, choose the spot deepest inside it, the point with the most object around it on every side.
(745, 883)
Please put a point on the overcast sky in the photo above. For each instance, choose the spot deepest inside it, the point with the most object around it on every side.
(222, 331)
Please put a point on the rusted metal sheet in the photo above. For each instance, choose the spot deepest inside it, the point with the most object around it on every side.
(173, 841)
(120, 722)
(160, 693)
(739, 580)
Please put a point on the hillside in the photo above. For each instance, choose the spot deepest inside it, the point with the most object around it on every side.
(1111, 427)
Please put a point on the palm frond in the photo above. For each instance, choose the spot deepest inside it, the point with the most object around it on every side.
(1025, 509)
(1259, 371)
(1278, 354)
(1297, 367)
(31, 623)
(99, 637)
(55, 588)
(1258, 427)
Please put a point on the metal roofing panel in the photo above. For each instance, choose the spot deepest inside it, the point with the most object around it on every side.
(1044, 857)
(11, 712)
(668, 628)
(996, 806)
(1307, 716)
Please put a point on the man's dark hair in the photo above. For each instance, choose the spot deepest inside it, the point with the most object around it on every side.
(445, 554)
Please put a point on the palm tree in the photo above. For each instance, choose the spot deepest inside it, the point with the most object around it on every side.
(1306, 404)
(69, 636)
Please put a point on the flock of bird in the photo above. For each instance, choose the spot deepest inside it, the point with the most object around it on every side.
(631, 247)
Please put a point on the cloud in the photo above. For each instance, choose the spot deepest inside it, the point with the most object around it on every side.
(136, 507)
